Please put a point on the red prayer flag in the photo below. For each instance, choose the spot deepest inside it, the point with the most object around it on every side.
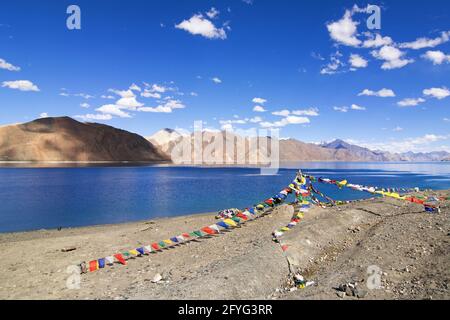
(120, 258)
(93, 265)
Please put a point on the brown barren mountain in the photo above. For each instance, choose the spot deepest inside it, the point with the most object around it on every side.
(65, 139)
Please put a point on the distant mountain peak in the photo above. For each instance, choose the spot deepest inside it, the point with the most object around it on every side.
(337, 144)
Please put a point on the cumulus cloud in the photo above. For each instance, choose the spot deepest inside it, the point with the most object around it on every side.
(167, 107)
(259, 100)
(311, 112)
(212, 13)
(358, 108)
(282, 113)
(85, 105)
(259, 109)
(129, 103)
(341, 109)
(383, 93)
(104, 96)
(216, 80)
(22, 85)
(438, 93)
(421, 43)
(113, 110)
(417, 144)
(135, 87)
(87, 117)
(377, 41)
(410, 102)
(356, 61)
(43, 115)
(8, 66)
(437, 57)
(285, 121)
(344, 31)
(333, 66)
(199, 25)
(149, 94)
(255, 120)
(392, 56)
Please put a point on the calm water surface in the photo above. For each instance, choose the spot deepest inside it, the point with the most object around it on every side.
(37, 198)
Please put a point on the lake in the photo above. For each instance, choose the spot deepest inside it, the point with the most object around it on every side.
(46, 198)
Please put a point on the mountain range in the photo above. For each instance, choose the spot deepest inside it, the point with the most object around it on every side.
(291, 150)
(65, 139)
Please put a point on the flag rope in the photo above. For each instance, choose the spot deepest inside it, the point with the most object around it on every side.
(305, 195)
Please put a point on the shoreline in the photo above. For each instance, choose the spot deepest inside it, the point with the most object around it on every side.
(329, 246)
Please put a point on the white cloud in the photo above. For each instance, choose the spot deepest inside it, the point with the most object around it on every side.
(167, 107)
(341, 109)
(438, 93)
(358, 108)
(345, 30)
(107, 97)
(285, 121)
(418, 144)
(410, 102)
(227, 127)
(199, 25)
(158, 109)
(421, 43)
(392, 57)
(8, 66)
(397, 129)
(129, 103)
(282, 113)
(113, 110)
(88, 117)
(194, 94)
(377, 41)
(135, 87)
(149, 94)
(357, 61)
(333, 66)
(123, 93)
(259, 100)
(383, 93)
(85, 105)
(212, 13)
(216, 80)
(311, 112)
(437, 57)
(157, 88)
(259, 109)
(255, 120)
(43, 115)
(22, 85)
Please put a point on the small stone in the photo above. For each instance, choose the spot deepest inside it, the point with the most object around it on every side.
(361, 293)
(341, 294)
(157, 278)
(348, 291)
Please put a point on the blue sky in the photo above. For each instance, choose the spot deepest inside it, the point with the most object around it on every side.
(314, 67)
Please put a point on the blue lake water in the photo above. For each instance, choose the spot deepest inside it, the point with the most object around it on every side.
(37, 198)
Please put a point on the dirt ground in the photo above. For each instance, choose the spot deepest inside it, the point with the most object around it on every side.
(410, 250)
